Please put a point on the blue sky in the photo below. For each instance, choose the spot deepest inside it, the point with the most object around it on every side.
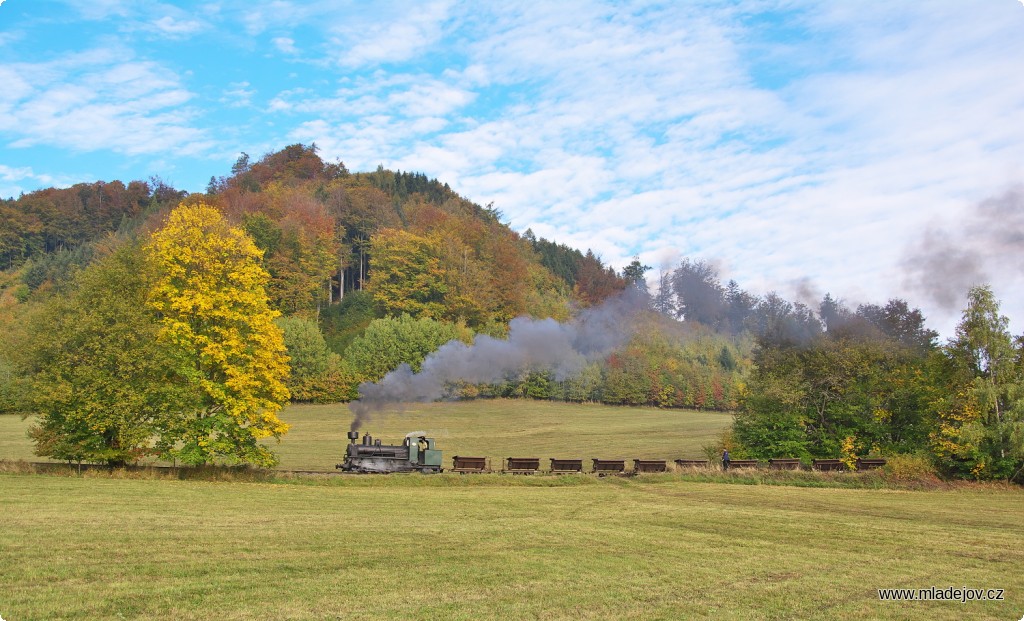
(870, 149)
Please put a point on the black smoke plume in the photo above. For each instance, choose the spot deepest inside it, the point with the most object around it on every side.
(563, 348)
(944, 264)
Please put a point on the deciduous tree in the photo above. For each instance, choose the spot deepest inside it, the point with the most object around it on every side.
(984, 421)
(390, 341)
(214, 312)
(103, 386)
(407, 275)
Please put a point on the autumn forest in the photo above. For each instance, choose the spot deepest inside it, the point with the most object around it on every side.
(140, 321)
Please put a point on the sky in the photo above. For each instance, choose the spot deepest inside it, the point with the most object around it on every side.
(870, 149)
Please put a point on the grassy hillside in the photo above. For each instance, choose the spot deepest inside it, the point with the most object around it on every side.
(509, 428)
(389, 547)
(496, 429)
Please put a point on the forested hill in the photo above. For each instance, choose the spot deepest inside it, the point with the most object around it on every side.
(138, 320)
(342, 249)
(316, 222)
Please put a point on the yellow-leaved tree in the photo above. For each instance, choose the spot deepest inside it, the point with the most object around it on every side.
(408, 275)
(210, 294)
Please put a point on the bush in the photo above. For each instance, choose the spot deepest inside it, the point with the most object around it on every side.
(390, 341)
(336, 384)
(308, 355)
(318, 375)
(910, 467)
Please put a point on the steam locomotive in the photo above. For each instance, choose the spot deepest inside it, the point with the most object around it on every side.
(416, 453)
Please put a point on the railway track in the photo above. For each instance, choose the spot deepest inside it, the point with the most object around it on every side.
(186, 471)
(61, 466)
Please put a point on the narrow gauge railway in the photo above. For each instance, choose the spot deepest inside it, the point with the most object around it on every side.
(419, 453)
(64, 466)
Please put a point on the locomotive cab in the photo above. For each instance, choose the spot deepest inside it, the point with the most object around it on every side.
(423, 453)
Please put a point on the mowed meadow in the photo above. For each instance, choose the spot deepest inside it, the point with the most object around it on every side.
(490, 428)
(416, 547)
(508, 428)
(496, 546)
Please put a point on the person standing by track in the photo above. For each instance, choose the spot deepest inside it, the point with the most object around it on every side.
(725, 459)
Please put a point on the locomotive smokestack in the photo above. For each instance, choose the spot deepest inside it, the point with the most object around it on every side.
(353, 436)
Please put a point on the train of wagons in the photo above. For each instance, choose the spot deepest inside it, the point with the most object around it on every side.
(419, 453)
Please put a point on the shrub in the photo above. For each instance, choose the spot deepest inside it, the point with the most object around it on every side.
(390, 341)
(910, 467)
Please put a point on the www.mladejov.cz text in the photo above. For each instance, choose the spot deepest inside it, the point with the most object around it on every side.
(949, 594)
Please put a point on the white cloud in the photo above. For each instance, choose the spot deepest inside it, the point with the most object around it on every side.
(176, 27)
(9, 37)
(101, 9)
(286, 45)
(98, 100)
(406, 95)
(827, 177)
(8, 173)
(156, 18)
(433, 98)
(395, 37)
(16, 180)
(238, 94)
(258, 18)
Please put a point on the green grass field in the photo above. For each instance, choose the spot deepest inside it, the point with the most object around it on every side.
(493, 546)
(496, 429)
(450, 547)
(508, 428)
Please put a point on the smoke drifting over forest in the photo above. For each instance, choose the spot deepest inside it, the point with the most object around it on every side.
(562, 348)
(984, 246)
(944, 264)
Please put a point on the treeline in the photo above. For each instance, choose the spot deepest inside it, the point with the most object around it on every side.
(664, 364)
(54, 229)
(874, 382)
(344, 250)
(361, 272)
(324, 230)
(590, 279)
(834, 382)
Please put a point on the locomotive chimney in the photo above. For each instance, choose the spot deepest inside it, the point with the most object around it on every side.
(353, 436)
